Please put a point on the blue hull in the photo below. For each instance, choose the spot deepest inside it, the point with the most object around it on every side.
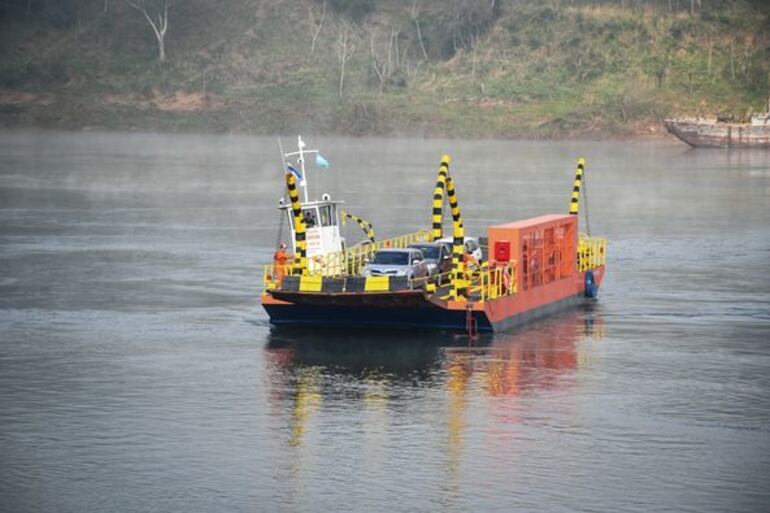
(406, 317)
(410, 311)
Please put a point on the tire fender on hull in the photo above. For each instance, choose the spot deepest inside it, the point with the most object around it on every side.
(592, 290)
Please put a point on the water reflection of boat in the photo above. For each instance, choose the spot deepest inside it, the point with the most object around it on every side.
(530, 360)
(357, 353)
(308, 371)
(508, 362)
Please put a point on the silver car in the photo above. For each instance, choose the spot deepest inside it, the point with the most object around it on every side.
(407, 262)
(438, 257)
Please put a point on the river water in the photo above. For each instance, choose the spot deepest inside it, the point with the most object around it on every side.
(139, 373)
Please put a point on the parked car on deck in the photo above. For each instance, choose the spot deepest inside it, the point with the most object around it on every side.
(471, 245)
(438, 256)
(407, 262)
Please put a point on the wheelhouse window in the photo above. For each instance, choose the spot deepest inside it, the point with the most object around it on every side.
(327, 217)
(311, 217)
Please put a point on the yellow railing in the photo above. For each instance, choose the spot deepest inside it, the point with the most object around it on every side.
(592, 252)
(352, 260)
(349, 262)
(494, 283)
(490, 284)
(269, 279)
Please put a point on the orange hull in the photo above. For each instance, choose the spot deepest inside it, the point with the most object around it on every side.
(535, 301)
(510, 311)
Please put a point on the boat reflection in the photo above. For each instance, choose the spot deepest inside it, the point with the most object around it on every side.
(507, 367)
(530, 359)
(307, 367)
(366, 372)
(358, 353)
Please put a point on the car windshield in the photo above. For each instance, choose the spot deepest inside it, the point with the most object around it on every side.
(428, 251)
(391, 258)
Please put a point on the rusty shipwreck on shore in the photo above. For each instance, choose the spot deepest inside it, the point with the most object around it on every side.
(719, 133)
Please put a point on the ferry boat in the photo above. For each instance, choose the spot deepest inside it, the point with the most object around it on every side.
(533, 267)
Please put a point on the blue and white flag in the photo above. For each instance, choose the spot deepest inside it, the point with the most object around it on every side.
(296, 172)
(321, 162)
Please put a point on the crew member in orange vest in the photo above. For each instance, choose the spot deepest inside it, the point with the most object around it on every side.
(470, 264)
(280, 263)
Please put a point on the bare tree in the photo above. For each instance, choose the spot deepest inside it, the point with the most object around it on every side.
(414, 12)
(411, 67)
(316, 19)
(474, 43)
(382, 60)
(466, 20)
(345, 49)
(156, 14)
(380, 67)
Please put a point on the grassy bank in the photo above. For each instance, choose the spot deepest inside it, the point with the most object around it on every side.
(523, 68)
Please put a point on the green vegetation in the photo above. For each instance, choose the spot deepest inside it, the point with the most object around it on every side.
(465, 68)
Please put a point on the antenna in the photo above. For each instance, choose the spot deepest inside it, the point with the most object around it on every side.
(301, 160)
(300, 154)
(283, 158)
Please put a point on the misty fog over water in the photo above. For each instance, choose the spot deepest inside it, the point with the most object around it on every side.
(138, 371)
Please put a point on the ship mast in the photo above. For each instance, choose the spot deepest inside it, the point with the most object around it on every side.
(300, 154)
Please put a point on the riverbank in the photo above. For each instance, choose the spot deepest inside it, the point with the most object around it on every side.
(184, 112)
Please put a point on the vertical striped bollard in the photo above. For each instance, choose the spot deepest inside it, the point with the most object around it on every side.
(438, 196)
(300, 242)
(574, 204)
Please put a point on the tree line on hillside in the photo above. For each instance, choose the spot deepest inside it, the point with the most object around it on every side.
(520, 49)
(438, 28)
(462, 22)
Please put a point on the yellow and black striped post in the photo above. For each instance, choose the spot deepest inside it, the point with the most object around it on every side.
(300, 242)
(459, 282)
(438, 197)
(365, 225)
(452, 197)
(574, 204)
